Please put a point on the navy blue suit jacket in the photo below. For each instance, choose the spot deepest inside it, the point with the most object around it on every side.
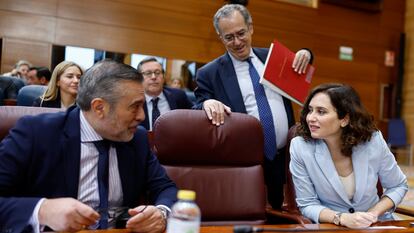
(218, 80)
(177, 99)
(41, 158)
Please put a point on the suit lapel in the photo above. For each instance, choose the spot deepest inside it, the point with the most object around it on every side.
(326, 165)
(231, 85)
(170, 99)
(70, 149)
(145, 123)
(360, 166)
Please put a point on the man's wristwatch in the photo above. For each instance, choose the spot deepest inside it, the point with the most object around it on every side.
(164, 212)
(337, 219)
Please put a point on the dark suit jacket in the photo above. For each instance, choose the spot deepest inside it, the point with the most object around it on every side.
(177, 99)
(41, 158)
(47, 104)
(218, 80)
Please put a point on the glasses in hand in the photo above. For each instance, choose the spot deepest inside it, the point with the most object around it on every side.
(117, 217)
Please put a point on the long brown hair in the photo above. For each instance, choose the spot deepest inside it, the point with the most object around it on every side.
(346, 101)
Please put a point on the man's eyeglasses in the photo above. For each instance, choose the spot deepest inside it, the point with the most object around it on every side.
(148, 74)
(241, 35)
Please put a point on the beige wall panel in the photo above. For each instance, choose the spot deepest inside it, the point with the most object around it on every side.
(127, 40)
(41, 7)
(27, 26)
(137, 17)
(38, 53)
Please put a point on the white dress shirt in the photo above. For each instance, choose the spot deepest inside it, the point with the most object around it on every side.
(275, 99)
(163, 106)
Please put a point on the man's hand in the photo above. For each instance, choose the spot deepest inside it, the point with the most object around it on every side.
(358, 219)
(215, 111)
(150, 220)
(66, 214)
(301, 61)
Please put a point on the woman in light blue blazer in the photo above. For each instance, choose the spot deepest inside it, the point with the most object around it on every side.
(337, 159)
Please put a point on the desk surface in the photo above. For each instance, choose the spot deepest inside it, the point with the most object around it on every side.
(302, 228)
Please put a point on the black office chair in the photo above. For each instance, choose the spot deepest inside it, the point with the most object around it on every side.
(397, 139)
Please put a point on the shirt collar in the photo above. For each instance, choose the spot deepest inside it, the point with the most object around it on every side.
(161, 96)
(88, 134)
(237, 62)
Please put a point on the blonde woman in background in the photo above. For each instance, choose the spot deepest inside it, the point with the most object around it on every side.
(21, 68)
(63, 87)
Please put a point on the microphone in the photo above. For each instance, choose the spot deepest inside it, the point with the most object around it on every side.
(246, 229)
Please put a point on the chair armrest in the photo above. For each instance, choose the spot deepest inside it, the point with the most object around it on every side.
(290, 216)
(404, 211)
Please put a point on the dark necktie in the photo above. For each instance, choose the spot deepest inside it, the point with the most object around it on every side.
(103, 179)
(155, 110)
(265, 114)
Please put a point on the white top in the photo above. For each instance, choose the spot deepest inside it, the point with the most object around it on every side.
(349, 184)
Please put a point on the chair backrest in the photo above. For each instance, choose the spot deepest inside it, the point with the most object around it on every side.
(9, 86)
(10, 114)
(28, 94)
(222, 164)
(396, 132)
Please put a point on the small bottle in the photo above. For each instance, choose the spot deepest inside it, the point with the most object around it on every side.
(185, 215)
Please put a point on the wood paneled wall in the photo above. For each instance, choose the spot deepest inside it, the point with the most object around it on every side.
(183, 29)
(408, 85)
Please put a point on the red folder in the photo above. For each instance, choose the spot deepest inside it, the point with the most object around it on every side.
(280, 76)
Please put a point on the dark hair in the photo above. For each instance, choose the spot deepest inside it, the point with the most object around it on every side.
(346, 101)
(146, 60)
(43, 72)
(102, 81)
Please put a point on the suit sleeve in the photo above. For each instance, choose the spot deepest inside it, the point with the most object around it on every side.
(204, 91)
(15, 149)
(162, 190)
(306, 196)
(391, 177)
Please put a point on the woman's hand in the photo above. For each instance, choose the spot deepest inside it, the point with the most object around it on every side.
(358, 219)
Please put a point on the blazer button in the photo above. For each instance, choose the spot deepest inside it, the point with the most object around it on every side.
(351, 210)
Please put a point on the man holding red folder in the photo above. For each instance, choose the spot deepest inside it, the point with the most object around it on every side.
(231, 83)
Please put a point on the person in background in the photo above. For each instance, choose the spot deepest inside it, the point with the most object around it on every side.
(63, 87)
(20, 70)
(159, 99)
(177, 83)
(337, 159)
(38, 76)
(68, 170)
(231, 83)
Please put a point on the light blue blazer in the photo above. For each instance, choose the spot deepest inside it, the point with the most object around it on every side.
(318, 186)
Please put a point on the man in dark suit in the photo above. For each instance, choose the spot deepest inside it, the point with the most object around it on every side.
(72, 170)
(159, 99)
(230, 83)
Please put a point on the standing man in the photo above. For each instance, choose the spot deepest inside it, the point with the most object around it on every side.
(68, 170)
(158, 98)
(231, 83)
(38, 76)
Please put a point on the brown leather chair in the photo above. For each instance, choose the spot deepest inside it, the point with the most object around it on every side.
(222, 164)
(289, 212)
(10, 114)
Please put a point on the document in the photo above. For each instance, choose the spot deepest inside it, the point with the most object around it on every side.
(280, 76)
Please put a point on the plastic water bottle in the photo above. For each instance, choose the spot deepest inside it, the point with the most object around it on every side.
(185, 215)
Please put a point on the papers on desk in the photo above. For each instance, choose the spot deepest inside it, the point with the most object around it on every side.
(386, 227)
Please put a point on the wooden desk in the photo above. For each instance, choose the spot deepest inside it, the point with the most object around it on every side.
(294, 227)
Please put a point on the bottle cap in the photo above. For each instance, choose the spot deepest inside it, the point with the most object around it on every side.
(186, 195)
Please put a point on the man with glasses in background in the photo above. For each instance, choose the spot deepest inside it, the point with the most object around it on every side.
(231, 83)
(159, 98)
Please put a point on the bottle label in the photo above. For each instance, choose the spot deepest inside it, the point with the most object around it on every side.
(180, 226)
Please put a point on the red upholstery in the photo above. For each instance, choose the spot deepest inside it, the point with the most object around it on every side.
(10, 114)
(222, 164)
